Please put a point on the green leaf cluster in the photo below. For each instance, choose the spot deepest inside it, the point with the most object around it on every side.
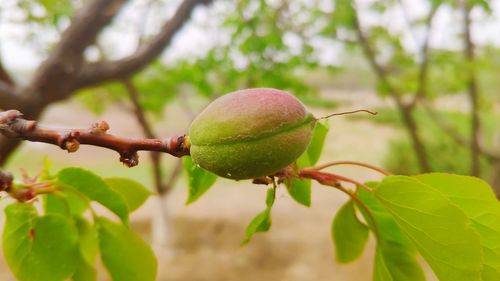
(63, 239)
(452, 221)
(300, 189)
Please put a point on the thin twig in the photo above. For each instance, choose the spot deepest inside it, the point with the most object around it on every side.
(348, 112)
(133, 94)
(455, 135)
(423, 71)
(161, 186)
(329, 178)
(404, 108)
(355, 163)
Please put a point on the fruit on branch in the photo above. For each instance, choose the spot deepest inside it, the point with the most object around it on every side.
(250, 133)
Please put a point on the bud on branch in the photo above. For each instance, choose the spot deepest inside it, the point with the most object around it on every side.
(12, 125)
(6, 180)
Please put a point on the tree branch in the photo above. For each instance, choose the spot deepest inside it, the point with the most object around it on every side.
(133, 94)
(424, 63)
(13, 126)
(380, 72)
(472, 91)
(455, 135)
(404, 109)
(95, 73)
(54, 79)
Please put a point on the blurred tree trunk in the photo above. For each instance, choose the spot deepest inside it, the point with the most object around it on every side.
(473, 93)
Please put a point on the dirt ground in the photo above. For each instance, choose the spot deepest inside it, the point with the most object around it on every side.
(204, 238)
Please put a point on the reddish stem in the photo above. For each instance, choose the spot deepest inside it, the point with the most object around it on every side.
(333, 180)
(355, 163)
(329, 179)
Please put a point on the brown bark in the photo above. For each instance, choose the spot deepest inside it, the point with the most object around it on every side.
(133, 94)
(13, 126)
(161, 186)
(99, 72)
(473, 94)
(423, 70)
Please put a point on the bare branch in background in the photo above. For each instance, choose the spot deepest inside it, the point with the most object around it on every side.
(13, 126)
(424, 59)
(405, 110)
(65, 70)
(95, 73)
(455, 135)
(161, 187)
(472, 92)
(55, 77)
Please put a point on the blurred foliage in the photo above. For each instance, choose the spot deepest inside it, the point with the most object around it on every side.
(46, 12)
(257, 54)
(278, 43)
(445, 154)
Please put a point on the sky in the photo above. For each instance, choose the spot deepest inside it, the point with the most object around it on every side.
(202, 32)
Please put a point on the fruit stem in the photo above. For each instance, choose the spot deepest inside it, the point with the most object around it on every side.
(348, 112)
(329, 178)
(332, 180)
(355, 163)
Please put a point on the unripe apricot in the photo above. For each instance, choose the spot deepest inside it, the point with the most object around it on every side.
(250, 133)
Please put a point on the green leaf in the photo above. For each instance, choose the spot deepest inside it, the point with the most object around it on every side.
(87, 240)
(398, 261)
(125, 255)
(39, 248)
(348, 234)
(64, 204)
(92, 186)
(199, 179)
(318, 140)
(261, 223)
(439, 230)
(84, 271)
(381, 271)
(134, 193)
(300, 190)
(270, 197)
(476, 198)
(395, 256)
